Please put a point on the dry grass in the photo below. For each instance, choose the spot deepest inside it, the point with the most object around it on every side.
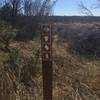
(74, 77)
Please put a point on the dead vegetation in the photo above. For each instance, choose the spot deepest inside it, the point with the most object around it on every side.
(74, 77)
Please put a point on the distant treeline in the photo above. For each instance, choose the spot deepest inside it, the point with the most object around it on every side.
(81, 19)
(63, 19)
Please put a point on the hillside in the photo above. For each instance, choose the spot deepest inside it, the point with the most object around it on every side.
(74, 77)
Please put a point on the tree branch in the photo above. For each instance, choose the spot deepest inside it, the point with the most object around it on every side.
(85, 10)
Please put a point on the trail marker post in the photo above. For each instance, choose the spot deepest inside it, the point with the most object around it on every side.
(46, 50)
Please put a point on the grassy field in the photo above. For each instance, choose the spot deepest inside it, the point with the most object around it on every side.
(74, 77)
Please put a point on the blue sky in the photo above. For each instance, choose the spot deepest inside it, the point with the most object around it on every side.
(70, 7)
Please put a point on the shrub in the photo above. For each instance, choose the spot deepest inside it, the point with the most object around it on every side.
(7, 34)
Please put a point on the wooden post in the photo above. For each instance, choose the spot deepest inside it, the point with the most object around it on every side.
(46, 50)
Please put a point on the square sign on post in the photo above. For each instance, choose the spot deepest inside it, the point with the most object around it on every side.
(46, 50)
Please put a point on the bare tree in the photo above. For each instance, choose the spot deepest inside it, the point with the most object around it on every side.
(16, 7)
(27, 7)
(44, 7)
(84, 9)
(30, 7)
(38, 7)
(48, 7)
